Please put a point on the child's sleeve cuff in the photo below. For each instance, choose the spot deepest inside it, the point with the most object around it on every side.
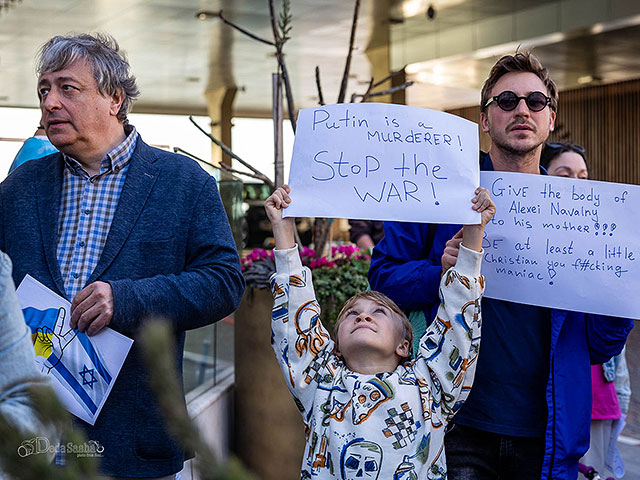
(469, 261)
(288, 260)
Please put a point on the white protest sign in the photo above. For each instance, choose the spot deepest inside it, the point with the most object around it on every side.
(384, 162)
(563, 243)
(82, 369)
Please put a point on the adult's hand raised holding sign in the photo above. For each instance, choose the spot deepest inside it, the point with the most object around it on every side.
(470, 235)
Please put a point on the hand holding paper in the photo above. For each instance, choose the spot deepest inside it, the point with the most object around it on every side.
(92, 308)
(83, 369)
(472, 234)
(283, 228)
(451, 249)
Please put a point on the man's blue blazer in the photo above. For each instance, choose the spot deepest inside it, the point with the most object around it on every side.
(169, 253)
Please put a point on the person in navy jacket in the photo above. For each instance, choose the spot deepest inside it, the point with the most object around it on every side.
(122, 230)
(529, 410)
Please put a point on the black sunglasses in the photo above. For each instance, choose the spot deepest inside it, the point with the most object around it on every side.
(507, 101)
(566, 146)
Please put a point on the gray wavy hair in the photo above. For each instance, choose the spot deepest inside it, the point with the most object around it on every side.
(110, 67)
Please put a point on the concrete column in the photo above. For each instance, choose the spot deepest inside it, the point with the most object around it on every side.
(220, 109)
(379, 54)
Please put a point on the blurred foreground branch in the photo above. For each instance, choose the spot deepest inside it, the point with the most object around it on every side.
(29, 455)
(156, 339)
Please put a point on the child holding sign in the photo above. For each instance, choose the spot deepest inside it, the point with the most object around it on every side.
(369, 410)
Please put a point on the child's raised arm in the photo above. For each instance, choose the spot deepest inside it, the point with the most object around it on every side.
(283, 228)
(472, 234)
(301, 343)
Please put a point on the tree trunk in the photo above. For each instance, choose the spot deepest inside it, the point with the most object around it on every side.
(321, 229)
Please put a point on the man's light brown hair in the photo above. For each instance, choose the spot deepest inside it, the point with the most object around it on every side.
(519, 62)
(406, 329)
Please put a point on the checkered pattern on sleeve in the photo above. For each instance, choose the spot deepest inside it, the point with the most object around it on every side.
(87, 206)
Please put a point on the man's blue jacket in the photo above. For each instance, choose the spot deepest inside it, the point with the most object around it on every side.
(406, 267)
(169, 254)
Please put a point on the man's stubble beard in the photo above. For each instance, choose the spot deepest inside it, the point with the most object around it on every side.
(514, 152)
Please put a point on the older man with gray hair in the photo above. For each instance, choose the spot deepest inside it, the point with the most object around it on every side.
(123, 230)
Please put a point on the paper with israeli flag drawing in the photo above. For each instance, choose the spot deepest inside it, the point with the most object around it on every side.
(83, 368)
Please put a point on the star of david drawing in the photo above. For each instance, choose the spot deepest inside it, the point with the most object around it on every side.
(92, 378)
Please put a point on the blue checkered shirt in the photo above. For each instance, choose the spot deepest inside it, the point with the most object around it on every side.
(87, 207)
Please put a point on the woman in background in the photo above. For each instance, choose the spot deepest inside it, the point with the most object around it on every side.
(610, 388)
(564, 160)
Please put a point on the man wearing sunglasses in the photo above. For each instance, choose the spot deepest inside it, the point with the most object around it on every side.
(527, 415)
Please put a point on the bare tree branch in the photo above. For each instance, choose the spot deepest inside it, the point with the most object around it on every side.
(274, 25)
(225, 167)
(279, 42)
(347, 66)
(388, 91)
(320, 96)
(242, 30)
(388, 77)
(228, 151)
(366, 94)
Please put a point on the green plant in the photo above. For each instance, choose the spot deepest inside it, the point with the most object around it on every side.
(336, 278)
(335, 285)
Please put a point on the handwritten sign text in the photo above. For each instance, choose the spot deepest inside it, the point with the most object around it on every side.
(563, 243)
(384, 162)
